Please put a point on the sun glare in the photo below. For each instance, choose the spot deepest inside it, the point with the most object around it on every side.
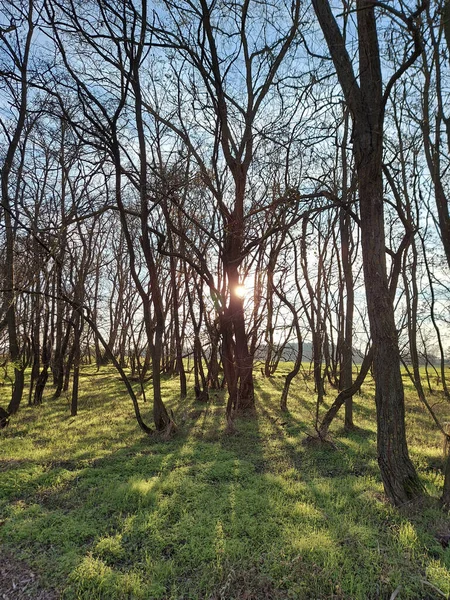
(240, 291)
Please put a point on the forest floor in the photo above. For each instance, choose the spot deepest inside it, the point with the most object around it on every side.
(91, 508)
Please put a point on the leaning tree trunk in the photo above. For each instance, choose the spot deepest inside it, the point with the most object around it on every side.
(343, 395)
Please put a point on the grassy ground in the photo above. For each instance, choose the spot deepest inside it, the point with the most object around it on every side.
(99, 511)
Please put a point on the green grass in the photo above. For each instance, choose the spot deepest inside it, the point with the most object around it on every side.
(100, 511)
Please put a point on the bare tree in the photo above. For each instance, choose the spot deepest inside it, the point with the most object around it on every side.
(217, 61)
(366, 100)
(121, 49)
(16, 42)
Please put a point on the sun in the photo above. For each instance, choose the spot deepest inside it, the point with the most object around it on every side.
(240, 291)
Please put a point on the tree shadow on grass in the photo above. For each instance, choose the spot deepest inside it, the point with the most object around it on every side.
(210, 515)
(364, 538)
(144, 520)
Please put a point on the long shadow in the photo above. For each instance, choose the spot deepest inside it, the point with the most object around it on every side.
(269, 518)
(336, 484)
(160, 509)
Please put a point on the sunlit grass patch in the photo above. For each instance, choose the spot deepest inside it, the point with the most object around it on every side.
(93, 579)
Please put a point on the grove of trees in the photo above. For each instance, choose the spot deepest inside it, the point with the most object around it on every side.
(218, 186)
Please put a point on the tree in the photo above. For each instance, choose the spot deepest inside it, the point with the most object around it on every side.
(366, 101)
(434, 122)
(121, 51)
(247, 58)
(15, 43)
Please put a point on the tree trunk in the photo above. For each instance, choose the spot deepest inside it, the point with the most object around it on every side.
(397, 471)
(346, 376)
(60, 368)
(176, 321)
(445, 500)
(243, 371)
(20, 59)
(365, 101)
(77, 329)
(46, 356)
(344, 394)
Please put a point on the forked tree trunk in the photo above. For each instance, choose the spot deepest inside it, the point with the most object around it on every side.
(298, 360)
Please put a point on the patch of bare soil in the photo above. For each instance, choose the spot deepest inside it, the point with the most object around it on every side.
(19, 582)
